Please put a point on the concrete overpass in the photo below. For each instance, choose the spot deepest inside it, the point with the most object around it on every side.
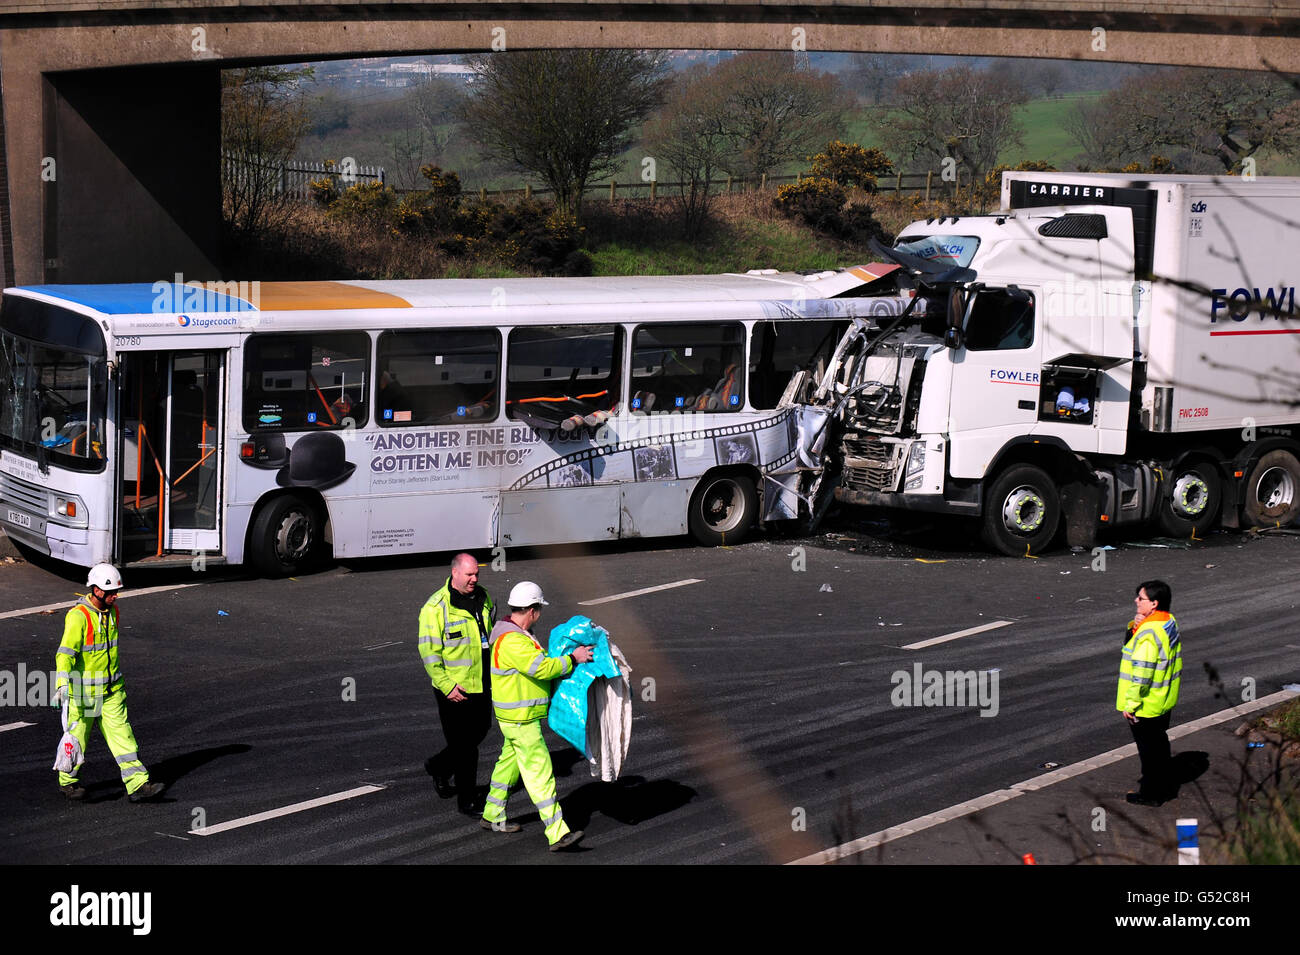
(123, 95)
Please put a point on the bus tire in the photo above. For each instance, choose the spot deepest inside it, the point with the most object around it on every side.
(723, 509)
(1192, 505)
(1022, 511)
(1272, 492)
(286, 537)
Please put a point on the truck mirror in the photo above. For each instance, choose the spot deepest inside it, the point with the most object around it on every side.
(953, 338)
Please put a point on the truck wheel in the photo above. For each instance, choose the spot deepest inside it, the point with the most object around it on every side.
(285, 538)
(1022, 511)
(1193, 502)
(1273, 490)
(722, 509)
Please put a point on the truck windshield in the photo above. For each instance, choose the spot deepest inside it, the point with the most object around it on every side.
(952, 250)
(52, 384)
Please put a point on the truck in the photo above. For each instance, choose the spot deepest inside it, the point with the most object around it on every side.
(1105, 350)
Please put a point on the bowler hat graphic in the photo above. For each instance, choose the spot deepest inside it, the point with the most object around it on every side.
(269, 452)
(317, 460)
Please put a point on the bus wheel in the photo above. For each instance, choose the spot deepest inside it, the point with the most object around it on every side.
(285, 537)
(723, 509)
(1022, 511)
(1193, 502)
(1273, 490)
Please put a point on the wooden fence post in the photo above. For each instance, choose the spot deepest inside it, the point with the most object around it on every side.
(898, 183)
(612, 186)
(762, 183)
(482, 193)
(653, 183)
(929, 173)
(528, 190)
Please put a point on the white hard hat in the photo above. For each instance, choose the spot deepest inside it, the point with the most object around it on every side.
(105, 577)
(525, 594)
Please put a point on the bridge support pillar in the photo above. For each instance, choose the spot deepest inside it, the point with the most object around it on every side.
(128, 163)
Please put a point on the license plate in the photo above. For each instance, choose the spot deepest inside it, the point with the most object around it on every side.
(22, 520)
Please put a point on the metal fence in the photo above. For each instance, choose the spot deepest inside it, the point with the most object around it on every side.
(294, 178)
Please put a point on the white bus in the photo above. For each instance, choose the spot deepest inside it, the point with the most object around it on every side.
(279, 423)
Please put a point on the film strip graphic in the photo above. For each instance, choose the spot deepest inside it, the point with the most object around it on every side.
(685, 437)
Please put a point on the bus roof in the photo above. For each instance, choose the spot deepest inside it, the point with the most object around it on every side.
(142, 298)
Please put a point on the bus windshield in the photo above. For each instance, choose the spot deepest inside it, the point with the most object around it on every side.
(52, 384)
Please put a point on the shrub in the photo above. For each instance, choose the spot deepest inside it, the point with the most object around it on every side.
(849, 164)
(814, 200)
(988, 193)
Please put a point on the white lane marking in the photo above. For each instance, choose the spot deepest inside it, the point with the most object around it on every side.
(286, 811)
(1030, 785)
(921, 645)
(72, 603)
(638, 593)
(380, 646)
(170, 835)
(14, 726)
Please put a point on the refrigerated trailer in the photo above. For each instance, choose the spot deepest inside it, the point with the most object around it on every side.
(1105, 350)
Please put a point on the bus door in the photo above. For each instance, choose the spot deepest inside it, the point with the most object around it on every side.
(171, 452)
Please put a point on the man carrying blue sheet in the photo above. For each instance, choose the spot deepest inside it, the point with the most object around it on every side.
(521, 692)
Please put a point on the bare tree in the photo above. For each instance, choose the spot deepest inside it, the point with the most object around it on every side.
(1206, 121)
(264, 115)
(873, 75)
(775, 113)
(564, 115)
(960, 114)
(690, 133)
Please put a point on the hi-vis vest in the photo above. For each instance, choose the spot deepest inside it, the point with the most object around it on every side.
(522, 674)
(1151, 667)
(87, 655)
(451, 642)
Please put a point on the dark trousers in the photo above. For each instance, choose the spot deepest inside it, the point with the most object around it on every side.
(1151, 734)
(464, 725)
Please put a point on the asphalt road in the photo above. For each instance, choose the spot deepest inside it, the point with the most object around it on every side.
(765, 725)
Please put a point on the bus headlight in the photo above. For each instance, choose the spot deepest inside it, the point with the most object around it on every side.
(68, 510)
(915, 472)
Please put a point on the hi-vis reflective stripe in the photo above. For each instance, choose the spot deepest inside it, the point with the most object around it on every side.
(431, 657)
(134, 772)
(457, 663)
(510, 672)
(521, 704)
(547, 802)
(128, 758)
(68, 651)
(1139, 680)
(458, 643)
(536, 665)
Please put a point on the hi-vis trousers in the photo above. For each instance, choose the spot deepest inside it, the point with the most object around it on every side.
(524, 754)
(111, 717)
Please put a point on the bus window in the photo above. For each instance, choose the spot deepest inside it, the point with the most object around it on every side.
(558, 371)
(297, 382)
(688, 368)
(437, 377)
(778, 349)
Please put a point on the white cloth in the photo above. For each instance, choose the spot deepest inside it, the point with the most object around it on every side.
(609, 720)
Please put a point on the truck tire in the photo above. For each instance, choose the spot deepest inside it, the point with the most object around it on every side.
(285, 538)
(1195, 492)
(723, 509)
(1022, 511)
(1272, 492)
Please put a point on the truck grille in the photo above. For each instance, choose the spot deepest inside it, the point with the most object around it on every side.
(23, 493)
(869, 464)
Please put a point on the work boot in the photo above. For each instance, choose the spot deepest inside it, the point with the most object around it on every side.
(567, 841)
(147, 791)
(73, 791)
(442, 785)
(501, 825)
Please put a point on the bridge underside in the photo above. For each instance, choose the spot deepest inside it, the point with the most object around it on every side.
(126, 104)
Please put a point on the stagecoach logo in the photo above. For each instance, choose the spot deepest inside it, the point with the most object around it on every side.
(183, 321)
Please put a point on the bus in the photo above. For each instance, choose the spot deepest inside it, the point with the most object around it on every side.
(280, 423)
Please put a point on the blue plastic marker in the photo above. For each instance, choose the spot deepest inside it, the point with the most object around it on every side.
(1189, 846)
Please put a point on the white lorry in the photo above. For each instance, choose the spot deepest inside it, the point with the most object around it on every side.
(1107, 349)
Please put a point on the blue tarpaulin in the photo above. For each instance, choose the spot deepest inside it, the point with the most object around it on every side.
(568, 712)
